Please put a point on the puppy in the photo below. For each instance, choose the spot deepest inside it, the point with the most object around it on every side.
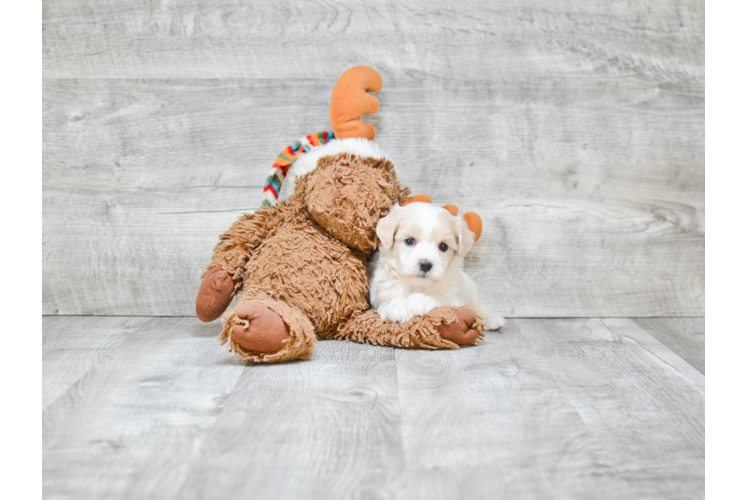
(419, 265)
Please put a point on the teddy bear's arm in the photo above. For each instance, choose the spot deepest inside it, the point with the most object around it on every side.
(442, 328)
(238, 243)
(224, 275)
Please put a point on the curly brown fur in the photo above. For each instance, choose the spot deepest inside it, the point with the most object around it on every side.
(331, 193)
(237, 244)
(305, 261)
(421, 332)
(309, 269)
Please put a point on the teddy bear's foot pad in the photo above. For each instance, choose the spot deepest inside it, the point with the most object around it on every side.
(460, 332)
(262, 330)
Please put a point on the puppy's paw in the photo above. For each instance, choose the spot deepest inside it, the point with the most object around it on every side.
(406, 309)
(493, 321)
(419, 303)
(397, 311)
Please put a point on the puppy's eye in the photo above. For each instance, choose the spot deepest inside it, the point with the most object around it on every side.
(443, 247)
(410, 242)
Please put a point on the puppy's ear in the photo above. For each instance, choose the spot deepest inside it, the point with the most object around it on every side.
(465, 238)
(387, 226)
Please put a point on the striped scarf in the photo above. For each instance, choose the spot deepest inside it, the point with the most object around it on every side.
(278, 172)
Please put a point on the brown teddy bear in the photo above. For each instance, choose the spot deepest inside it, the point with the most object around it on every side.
(301, 267)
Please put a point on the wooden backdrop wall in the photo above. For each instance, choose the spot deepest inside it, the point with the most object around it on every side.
(576, 129)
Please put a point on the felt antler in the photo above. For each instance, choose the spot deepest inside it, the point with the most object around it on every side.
(452, 209)
(420, 198)
(349, 102)
(474, 222)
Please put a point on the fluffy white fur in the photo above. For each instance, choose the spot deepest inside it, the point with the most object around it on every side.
(410, 275)
(307, 162)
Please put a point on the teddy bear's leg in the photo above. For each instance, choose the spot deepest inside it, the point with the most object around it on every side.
(266, 330)
(465, 330)
(442, 328)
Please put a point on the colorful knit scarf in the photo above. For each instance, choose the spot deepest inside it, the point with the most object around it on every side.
(289, 155)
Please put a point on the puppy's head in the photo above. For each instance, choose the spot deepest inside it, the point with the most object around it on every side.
(424, 240)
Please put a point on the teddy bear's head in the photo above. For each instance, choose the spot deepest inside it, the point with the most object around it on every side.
(347, 195)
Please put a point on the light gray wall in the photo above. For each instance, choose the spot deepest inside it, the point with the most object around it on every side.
(576, 129)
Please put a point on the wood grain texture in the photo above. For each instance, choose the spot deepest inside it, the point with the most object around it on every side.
(684, 336)
(74, 346)
(476, 39)
(576, 129)
(591, 190)
(329, 428)
(556, 408)
(644, 403)
(129, 427)
(491, 422)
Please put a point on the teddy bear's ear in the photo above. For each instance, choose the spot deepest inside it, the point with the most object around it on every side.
(350, 101)
(387, 227)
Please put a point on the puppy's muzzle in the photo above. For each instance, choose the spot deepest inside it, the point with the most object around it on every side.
(425, 266)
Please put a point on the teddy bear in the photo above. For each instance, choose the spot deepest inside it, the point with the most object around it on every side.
(299, 268)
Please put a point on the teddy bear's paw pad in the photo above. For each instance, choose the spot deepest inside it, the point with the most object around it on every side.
(460, 331)
(262, 330)
(216, 292)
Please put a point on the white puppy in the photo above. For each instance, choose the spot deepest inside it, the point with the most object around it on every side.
(419, 265)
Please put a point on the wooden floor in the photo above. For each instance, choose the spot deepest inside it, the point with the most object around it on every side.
(137, 408)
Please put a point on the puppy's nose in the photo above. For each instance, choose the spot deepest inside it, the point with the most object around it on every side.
(425, 265)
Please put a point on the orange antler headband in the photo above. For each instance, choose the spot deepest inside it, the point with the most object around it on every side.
(350, 101)
(474, 222)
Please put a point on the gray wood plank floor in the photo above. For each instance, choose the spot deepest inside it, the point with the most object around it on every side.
(550, 408)
(684, 336)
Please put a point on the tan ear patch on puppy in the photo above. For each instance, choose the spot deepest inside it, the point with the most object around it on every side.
(387, 227)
